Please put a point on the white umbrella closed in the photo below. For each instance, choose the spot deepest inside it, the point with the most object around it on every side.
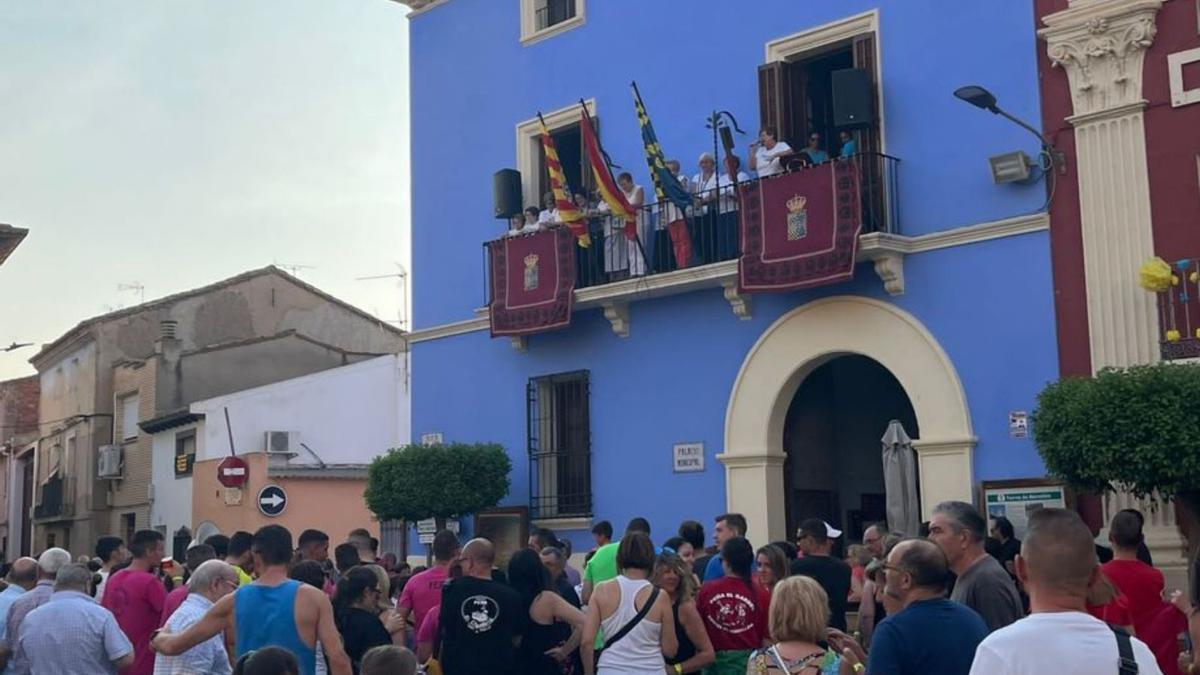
(900, 481)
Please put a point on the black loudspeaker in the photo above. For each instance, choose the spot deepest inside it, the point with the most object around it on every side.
(852, 98)
(506, 193)
(727, 140)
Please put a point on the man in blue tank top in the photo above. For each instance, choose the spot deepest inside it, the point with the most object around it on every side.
(273, 611)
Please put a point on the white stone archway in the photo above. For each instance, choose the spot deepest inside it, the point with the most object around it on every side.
(793, 347)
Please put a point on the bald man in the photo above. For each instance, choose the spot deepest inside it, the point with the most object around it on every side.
(1057, 565)
(481, 620)
(915, 576)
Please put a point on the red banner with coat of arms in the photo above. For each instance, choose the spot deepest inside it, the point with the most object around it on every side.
(800, 229)
(532, 282)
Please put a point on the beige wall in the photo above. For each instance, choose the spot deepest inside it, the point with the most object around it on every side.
(332, 506)
(131, 494)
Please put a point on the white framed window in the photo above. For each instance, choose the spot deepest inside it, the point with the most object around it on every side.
(541, 19)
(128, 405)
(531, 162)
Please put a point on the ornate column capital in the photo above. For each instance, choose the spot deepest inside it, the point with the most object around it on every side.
(1101, 44)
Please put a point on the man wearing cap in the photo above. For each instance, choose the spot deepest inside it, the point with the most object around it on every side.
(815, 540)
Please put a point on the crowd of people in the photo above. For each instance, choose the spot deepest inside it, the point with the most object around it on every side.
(712, 217)
(960, 598)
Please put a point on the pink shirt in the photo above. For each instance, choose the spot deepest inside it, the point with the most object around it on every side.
(136, 599)
(423, 592)
(174, 599)
(429, 627)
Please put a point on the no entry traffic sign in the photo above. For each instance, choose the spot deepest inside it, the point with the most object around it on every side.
(272, 500)
(233, 472)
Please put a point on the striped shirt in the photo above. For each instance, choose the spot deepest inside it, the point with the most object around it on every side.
(72, 634)
(205, 658)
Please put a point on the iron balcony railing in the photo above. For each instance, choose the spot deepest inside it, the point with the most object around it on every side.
(58, 499)
(1179, 312)
(712, 226)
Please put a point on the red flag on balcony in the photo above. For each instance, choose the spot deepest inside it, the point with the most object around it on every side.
(609, 192)
(532, 282)
(562, 200)
(800, 229)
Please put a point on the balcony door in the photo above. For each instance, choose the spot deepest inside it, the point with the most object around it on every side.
(796, 95)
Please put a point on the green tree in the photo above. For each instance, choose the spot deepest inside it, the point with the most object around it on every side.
(415, 482)
(1135, 429)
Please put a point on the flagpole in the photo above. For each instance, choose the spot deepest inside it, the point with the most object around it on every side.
(608, 161)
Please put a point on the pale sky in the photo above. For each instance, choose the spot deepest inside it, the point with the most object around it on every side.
(174, 143)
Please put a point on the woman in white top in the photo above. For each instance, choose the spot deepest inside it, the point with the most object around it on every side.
(767, 153)
(615, 603)
(549, 215)
(704, 187)
(622, 256)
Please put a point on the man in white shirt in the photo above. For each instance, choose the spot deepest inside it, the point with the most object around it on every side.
(212, 580)
(1057, 565)
(111, 551)
(767, 153)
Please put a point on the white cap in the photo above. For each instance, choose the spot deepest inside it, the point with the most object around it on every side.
(831, 531)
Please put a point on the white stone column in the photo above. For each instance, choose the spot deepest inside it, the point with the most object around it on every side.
(754, 488)
(1101, 44)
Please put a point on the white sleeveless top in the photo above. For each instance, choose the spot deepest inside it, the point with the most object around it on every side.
(640, 651)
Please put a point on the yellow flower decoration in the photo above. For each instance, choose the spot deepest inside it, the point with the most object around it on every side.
(1194, 277)
(1198, 333)
(1155, 275)
(1174, 280)
(1173, 336)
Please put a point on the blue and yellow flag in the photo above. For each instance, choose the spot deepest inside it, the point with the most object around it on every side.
(666, 186)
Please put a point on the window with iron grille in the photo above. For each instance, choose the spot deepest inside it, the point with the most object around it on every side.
(548, 13)
(560, 446)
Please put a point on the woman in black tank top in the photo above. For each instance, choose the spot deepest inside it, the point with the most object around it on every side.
(553, 626)
(675, 577)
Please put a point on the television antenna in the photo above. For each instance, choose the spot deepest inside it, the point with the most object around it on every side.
(401, 277)
(293, 268)
(135, 286)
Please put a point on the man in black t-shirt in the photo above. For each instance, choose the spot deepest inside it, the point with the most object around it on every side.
(816, 541)
(481, 620)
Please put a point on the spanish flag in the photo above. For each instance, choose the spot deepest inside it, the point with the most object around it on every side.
(609, 192)
(562, 199)
(672, 196)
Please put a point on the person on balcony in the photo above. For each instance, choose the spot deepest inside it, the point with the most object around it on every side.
(623, 257)
(704, 187)
(673, 167)
(524, 224)
(727, 208)
(768, 154)
(849, 145)
(813, 152)
(549, 214)
(589, 261)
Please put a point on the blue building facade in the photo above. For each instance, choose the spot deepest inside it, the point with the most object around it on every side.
(948, 325)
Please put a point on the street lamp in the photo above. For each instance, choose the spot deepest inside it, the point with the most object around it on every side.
(982, 98)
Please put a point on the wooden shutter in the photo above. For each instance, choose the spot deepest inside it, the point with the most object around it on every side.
(775, 101)
(864, 57)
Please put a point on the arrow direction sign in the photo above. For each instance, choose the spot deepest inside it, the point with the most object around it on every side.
(272, 500)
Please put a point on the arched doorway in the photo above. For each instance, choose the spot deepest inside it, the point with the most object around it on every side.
(799, 343)
(831, 437)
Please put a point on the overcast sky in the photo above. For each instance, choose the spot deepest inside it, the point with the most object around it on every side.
(174, 143)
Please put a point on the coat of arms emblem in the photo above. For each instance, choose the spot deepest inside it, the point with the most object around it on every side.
(531, 272)
(797, 220)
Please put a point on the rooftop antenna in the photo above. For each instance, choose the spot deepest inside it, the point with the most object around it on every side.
(401, 277)
(293, 268)
(134, 286)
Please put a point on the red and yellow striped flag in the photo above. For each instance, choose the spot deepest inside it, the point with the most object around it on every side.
(567, 212)
(609, 192)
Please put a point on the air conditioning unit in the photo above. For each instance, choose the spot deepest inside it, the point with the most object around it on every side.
(109, 462)
(282, 443)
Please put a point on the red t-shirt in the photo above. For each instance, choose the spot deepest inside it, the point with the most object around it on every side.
(174, 599)
(136, 599)
(1116, 612)
(1155, 621)
(733, 616)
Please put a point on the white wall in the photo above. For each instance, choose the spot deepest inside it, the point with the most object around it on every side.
(172, 504)
(347, 415)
